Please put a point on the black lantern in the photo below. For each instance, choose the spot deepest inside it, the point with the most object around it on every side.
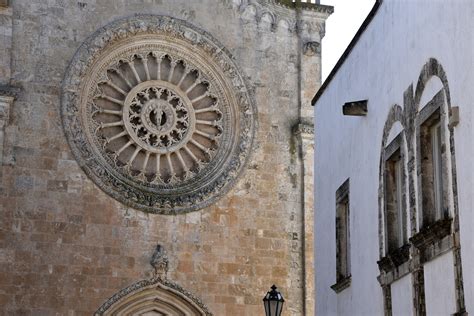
(273, 302)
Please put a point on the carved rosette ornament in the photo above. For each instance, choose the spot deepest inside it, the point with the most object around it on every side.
(157, 114)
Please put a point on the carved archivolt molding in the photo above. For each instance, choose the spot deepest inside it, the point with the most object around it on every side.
(158, 296)
(157, 114)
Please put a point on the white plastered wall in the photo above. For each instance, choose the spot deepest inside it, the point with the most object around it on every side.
(387, 59)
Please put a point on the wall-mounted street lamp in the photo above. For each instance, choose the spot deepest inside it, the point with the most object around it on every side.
(273, 302)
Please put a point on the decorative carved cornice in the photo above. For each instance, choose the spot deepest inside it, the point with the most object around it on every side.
(279, 15)
(304, 5)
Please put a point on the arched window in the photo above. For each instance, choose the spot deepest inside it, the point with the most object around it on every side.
(393, 187)
(433, 152)
(394, 178)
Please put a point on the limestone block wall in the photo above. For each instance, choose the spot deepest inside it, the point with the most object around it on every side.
(66, 246)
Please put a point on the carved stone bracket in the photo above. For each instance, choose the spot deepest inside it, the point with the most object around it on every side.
(394, 259)
(311, 48)
(432, 233)
(341, 284)
(304, 130)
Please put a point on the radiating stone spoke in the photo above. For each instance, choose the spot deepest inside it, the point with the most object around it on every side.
(145, 66)
(170, 74)
(113, 100)
(210, 123)
(113, 124)
(158, 70)
(145, 161)
(190, 153)
(134, 155)
(116, 136)
(115, 87)
(173, 178)
(183, 164)
(180, 158)
(158, 170)
(208, 136)
(123, 77)
(130, 142)
(208, 109)
(113, 112)
(135, 73)
(204, 149)
(185, 73)
(192, 86)
(199, 98)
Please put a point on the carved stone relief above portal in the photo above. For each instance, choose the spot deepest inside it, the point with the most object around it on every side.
(157, 114)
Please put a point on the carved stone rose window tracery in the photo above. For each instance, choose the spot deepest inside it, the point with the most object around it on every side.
(157, 114)
(157, 118)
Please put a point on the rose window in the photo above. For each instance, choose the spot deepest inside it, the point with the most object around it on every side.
(157, 118)
(157, 114)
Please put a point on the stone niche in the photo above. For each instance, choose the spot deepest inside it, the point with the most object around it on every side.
(157, 114)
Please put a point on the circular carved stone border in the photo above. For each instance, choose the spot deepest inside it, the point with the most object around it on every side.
(158, 127)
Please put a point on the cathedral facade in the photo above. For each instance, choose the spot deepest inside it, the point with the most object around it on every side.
(156, 156)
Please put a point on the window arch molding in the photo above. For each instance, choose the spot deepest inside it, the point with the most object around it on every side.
(433, 238)
(431, 69)
(158, 296)
(398, 143)
(435, 111)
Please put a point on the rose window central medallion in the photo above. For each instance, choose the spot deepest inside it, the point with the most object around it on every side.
(157, 119)
(157, 114)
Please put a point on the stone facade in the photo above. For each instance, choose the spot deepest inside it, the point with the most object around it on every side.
(69, 245)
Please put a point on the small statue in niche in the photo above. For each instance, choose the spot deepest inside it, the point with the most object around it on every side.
(159, 261)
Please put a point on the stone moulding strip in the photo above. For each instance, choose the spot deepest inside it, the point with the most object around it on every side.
(145, 284)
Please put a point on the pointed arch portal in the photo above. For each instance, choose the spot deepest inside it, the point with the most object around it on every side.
(153, 297)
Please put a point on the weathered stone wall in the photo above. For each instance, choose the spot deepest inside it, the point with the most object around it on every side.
(66, 246)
